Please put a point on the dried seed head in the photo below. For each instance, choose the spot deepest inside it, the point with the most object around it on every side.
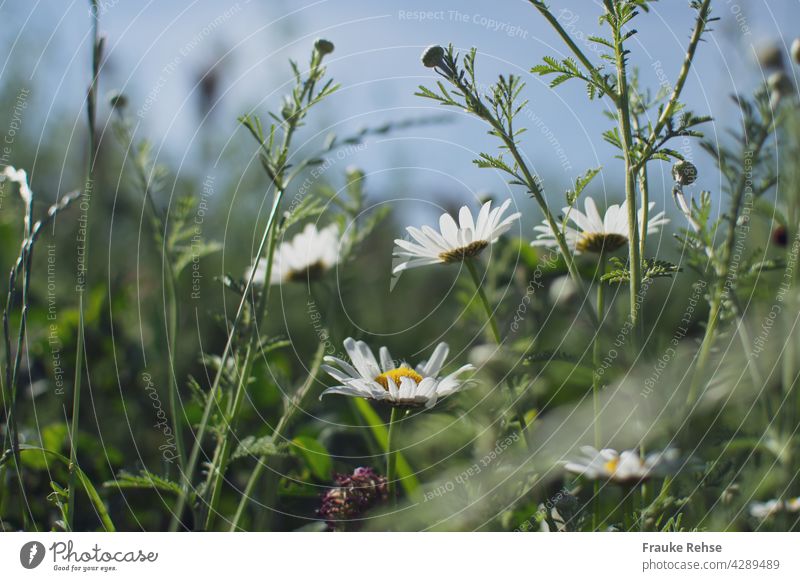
(684, 173)
(323, 46)
(433, 56)
(795, 50)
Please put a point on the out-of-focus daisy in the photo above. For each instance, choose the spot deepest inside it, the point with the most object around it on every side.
(626, 467)
(454, 242)
(772, 507)
(594, 233)
(390, 381)
(305, 257)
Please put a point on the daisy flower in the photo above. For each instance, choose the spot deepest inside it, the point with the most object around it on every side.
(762, 510)
(397, 384)
(454, 242)
(306, 256)
(594, 233)
(626, 467)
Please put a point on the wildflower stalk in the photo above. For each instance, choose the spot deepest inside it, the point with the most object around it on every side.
(391, 454)
(160, 231)
(596, 352)
(501, 123)
(622, 103)
(80, 359)
(302, 99)
(219, 466)
(722, 287)
(296, 403)
(476, 279)
(596, 362)
(487, 307)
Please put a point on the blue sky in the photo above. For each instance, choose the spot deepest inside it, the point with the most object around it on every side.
(158, 49)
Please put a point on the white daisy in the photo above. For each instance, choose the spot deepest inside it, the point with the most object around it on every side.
(393, 382)
(455, 241)
(593, 233)
(306, 256)
(762, 510)
(626, 467)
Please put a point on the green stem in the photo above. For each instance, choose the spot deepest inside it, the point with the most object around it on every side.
(487, 307)
(298, 402)
(626, 133)
(216, 474)
(596, 353)
(80, 359)
(683, 74)
(476, 278)
(391, 455)
(579, 54)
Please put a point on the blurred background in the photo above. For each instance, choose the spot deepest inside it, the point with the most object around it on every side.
(188, 69)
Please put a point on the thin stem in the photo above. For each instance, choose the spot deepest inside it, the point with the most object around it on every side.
(721, 289)
(80, 359)
(596, 353)
(476, 278)
(579, 54)
(476, 106)
(626, 133)
(669, 109)
(391, 455)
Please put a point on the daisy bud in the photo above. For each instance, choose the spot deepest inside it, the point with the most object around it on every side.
(779, 83)
(323, 46)
(780, 237)
(353, 496)
(684, 173)
(433, 56)
(795, 50)
(770, 57)
(117, 100)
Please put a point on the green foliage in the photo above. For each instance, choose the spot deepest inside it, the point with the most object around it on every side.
(653, 268)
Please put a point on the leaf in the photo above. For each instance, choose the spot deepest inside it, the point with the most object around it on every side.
(144, 480)
(253, 446)
(580, 184)
(315, 455)
(87, 485)
(651, 268)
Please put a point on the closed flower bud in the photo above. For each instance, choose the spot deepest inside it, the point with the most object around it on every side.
(117, 100)
(323, 46)
(779, 83)
(684, 173)
(770, 57)
(795, 50)
(433, 56)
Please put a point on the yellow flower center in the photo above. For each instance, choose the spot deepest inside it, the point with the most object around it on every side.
(468, 251)
(596, 242)
(395, 375)
(611, 465)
